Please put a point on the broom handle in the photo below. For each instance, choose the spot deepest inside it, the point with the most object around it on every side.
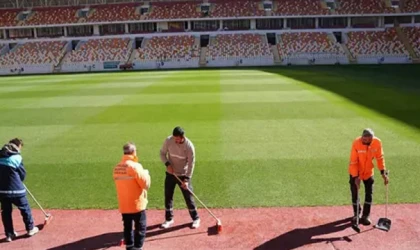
(35, 199)
(198, 199)
(386, 206)
(386, 196)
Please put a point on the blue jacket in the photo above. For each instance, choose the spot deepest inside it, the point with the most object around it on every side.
(12, 172)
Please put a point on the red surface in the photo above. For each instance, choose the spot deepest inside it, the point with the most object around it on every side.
(273, 228)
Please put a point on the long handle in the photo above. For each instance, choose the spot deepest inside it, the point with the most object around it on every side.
(386, 205)
(358, 206)
(386, 196)
(197, 199)
(33, 197)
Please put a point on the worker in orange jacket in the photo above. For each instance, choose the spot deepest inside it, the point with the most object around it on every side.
(132, 183)
(364, 149)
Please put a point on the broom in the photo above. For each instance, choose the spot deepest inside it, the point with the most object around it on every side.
(218, 221)
(48, 216)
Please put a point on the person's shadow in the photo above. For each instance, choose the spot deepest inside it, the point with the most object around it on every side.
(24, 235)
(108, 240)
(303, 236)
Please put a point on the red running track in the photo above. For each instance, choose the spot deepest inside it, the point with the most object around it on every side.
(256, 228)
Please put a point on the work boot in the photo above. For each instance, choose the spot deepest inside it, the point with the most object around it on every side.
(365, 221)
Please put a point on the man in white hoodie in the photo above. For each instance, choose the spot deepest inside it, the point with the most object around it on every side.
(178, 155)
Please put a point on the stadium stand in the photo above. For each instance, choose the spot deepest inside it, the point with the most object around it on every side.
(46, 52)
(113, 12)
(182, 51)
(96, 52)
(234, 49)
(370, 46)
(225, 47)
(411, 6)
(168, 10)
(413, 35)
(319, 47)
(34, 56)
(223, 8)
(299, 7)
(363, 7)
(53, 15)
(9, 17)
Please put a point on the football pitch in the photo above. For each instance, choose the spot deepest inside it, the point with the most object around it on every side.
(264, 137)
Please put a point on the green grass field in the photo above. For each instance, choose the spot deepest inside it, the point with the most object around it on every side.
(263, 137)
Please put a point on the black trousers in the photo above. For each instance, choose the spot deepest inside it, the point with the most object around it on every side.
(368, 195)
(139, 233)
(6, 213)
(170, 183)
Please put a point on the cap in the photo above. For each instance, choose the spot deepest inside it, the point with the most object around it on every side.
(368, 132)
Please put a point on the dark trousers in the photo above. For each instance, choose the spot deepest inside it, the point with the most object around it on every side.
(170, 183)
(6, 213)
(139, 232)
(368, 195)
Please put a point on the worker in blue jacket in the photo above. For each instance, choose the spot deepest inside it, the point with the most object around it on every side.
(12, 190)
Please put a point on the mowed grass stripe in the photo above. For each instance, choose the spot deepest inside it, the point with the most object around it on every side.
(305, 138)
(33, 135)
(154, 89)
(251, 183)
(105, 140)
(158, 99)
(310, 182)
(59, 115)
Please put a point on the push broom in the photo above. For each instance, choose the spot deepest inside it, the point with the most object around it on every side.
(355, 225)
(48, 216)
(218, 222)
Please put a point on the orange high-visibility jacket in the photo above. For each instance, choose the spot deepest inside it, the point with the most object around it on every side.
(361, 158)
(132, 183)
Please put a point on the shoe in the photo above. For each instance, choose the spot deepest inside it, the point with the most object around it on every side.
(196, 223)
(167, 223)
(365, 221)
(34, 231)
(10, 238)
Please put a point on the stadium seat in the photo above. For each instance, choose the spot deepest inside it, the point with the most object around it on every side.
(53, 15)
(299, 7)
(411, 6)
(223, 8)
(373, 43)
(8, 17)
(32, 53)
(101, 50)
(168, 10)
(238, 46)
(113, 12)
(308, 45)
(413, 35)
(363, 7)
(168, 48)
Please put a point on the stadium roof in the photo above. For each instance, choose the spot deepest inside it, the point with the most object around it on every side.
(53, 3)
